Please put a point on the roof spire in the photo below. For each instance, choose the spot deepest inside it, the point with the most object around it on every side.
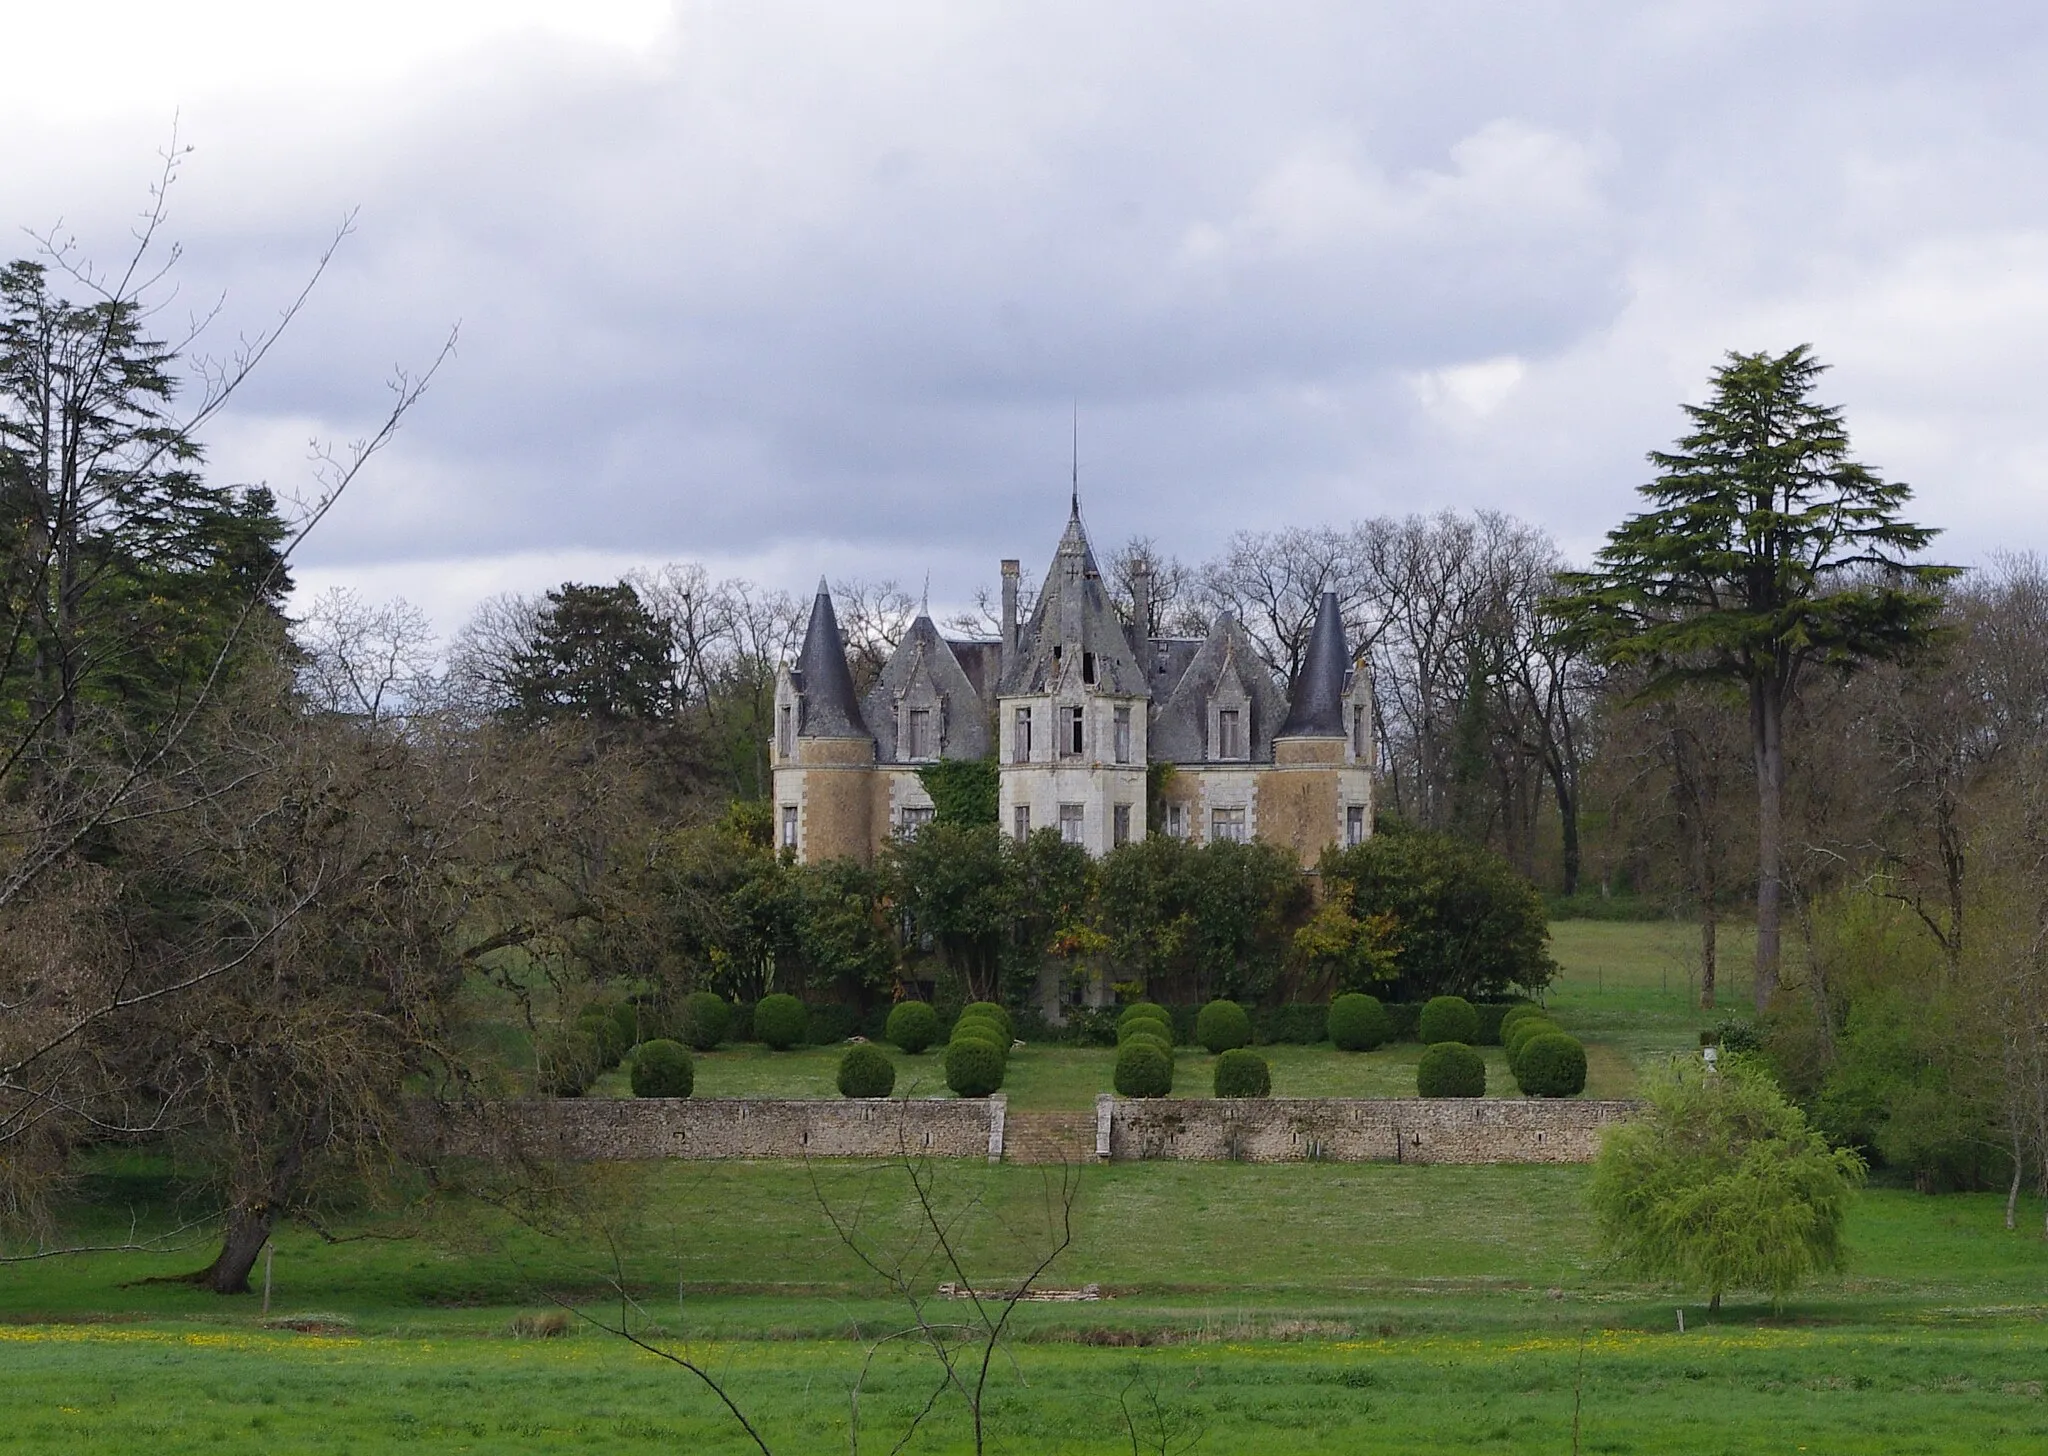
(830, 707)
(1077, 458)
(1316, 709)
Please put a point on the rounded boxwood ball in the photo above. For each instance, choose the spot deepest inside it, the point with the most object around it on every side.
(913, 1026)
(1447, 1018)
(1143, 1069)
(1551, 1065)
(1242, 1072)
(1357, 1022)
(781, 1021)
(973, 1068)
(982, 1026)
(568, 1063)
(1518, 1035)
(1520, 1011)
(1223, 1026)
(1000, 1015)
(706, 1019)
(1450, 1069)
(598, 1023)
(663, 1069)
(1159, 1031)
(1138, 1010)
(866, 1071)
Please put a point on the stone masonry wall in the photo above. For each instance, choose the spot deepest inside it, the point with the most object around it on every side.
(630, 1129)
(1344, 1130)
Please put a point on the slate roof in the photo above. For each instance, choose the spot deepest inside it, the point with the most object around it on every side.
(1073, 620)
(922, 652)
(1180, 724)
(830, 709)
(1317, 710)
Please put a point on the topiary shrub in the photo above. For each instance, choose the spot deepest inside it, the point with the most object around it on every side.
(566, 1064)
(1000, 1015)
(1242, 1072)
(1520, 1011)
(1142, 1009)
(973, 1068)
(780, 1021)
(982, 1027)
(1450, 1069)
(706, 1019)
(663, 1069)
(1143, 1069)
(866, 1071)
(913, 1026)
(1491, 1015)
(1357, 1022)
(1551, 1065)
(1159, 1031)
(1447, 1018)
(1223, 1026)
(1519, 1034)
(608, 1041)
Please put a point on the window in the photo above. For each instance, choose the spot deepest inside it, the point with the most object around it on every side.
(1120, 825)
(1354, 824)
(1020, 737)
(1229, 733)
(1087, 667)
(1070, 823)
(917, 733)
(1227, 824)
(915, 819)
(1176, 821)
(785, 747)
(1075, 734)
(1123, 733)
(789, 826)
(1020, 821)
(1359, 736)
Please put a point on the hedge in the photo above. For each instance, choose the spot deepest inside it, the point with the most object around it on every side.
(1551, 1065)
(663, 1068)
(866, 1071)
(1241, 1072)
(1450, 1069)
(781, 1021)
(1358, 1022)
(973, 1068)
(706, 1019)
(1143, 1069)
(1447, 1018)
(1223, 1027)
(913, 1026)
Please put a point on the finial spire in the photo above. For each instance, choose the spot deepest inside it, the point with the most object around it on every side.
(1077, 458)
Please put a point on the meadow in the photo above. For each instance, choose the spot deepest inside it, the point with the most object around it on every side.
(1277, 1308)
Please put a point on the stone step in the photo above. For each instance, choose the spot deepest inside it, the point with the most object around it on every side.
(1049, 1137)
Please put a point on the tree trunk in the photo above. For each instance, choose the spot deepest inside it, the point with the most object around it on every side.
(1708, 927)
(1767, 722)
(1568, 823)
(1714, 1302)
(248, 1231)
(2012, 1194)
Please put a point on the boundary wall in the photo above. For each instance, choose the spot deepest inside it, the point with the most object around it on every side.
(1250, 1130)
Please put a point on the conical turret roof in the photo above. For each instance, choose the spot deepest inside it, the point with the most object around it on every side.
(1072, 626)
(830, 707)
(1316, 707)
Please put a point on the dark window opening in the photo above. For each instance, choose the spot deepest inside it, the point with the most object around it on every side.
(1087, 667)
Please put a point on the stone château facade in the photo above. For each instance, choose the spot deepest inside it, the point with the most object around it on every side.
(1075, 706)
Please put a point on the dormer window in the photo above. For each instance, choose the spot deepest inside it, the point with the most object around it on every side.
(785, 732)
(1229, 733)
(917, 733)
(1087, 667)
(1359, 731)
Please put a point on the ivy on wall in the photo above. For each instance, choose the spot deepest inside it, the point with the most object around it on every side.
(963, 790)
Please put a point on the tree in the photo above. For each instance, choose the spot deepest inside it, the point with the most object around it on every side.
(597, 655)
(1768, 551)
(1460, 920)
(1721, 1185)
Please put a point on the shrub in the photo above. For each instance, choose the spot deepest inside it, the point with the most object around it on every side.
(780, 1021)
(983, 1027)
(607, 1041)
(998, 1014)
(627, 1015)
(1519, 1034)
(1520, 1011)
(663, 1069)
(1448, 1018)
(1491, 1015)
(1157, 1030)
(1291, 1025)
(1241, 1072)
(1357, 1022)
(741, 1027)
(866, 1071)
(566, 1064)
(1450, 1069)
(973, 1068)
(1143, 1070)
(831, 1023)
(1140, 1009)
(706, 1019)
(1401, 1019)
(913, 1026)
(1551, 1065)
(1223, 1027)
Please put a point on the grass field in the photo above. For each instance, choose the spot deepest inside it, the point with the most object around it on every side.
(1279, 1308)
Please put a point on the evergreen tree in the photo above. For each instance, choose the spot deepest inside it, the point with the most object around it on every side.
(597, 655)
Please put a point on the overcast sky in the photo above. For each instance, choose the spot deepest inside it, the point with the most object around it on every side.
(804, 288)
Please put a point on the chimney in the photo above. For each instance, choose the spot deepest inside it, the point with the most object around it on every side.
(1010, 572)
(1141, 602)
